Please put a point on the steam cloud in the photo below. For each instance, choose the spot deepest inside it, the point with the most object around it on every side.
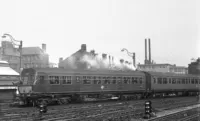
(97, 62)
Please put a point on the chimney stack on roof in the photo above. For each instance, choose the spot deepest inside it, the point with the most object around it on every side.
(83, 47)
(44, 47)
(121, 61)
(60, 60)
(104, 56)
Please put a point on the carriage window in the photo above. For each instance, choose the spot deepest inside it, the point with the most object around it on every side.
(159, 80)
(154, 80)
(199, 81)
(196, 81)
(173, 81)
(192, 81)
(170, 80)
(67, 79)
(183, 81)
(97, 80)
(54, 80)
(134, 80)
(119, 79)
(178, 81)
(164, 80)
(41, 78)
(114, 80)
(86, 80)
(107, 80)
(126, 81)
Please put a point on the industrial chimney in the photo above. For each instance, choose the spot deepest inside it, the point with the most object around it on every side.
(44, 47)
(109, 61)
(145, 61)
(149, 51)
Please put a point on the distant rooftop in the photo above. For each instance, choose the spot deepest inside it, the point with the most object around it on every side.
(6, 70)
(32, 50)
(156, 64)
(3, 62)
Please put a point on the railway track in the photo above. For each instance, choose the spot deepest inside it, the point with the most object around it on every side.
(93, 111)
(185, 115)
(123, 111)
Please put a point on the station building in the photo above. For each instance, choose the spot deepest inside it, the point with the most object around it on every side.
(8, 78)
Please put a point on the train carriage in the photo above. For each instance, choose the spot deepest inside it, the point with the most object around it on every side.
(168, 83)
(75, 85)
(84, 83)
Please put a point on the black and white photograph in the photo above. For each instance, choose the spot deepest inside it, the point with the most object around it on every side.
(100, 60)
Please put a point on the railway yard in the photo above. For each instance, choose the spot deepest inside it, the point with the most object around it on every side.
(176, 108)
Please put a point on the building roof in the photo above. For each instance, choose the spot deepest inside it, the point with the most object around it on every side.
(168, 74)
(162, 64)
(8, 71)
(32, 50)
(3, 62)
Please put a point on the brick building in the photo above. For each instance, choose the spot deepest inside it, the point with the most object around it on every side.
(74, 61)
(194, 67)
(31, 56)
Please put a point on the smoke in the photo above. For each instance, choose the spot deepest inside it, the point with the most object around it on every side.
(97, 62)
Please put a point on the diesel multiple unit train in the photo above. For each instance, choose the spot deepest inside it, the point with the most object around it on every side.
(63, 86)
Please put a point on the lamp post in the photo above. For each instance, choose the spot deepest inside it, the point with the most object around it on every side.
(20, 49)
(130, 54)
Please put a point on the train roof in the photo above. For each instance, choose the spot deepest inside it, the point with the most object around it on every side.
(171, 74)
(77, 71)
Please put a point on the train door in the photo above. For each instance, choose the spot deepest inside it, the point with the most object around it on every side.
(148, 81)
(119, 83)
(77, 82)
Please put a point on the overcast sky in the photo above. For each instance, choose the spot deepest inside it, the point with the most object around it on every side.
(106, 26)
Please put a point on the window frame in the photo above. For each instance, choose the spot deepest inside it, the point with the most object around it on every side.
(66, 80)
(54, 79)
(87, 79)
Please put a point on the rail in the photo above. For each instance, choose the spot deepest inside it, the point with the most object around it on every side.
(180, 116)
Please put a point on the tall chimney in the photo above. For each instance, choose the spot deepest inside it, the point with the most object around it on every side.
(83, 47)
(104, 56)
(112, 60)
(44, 47)
(145, 61)
(109, 61)
(149, 51)
(60, 60)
